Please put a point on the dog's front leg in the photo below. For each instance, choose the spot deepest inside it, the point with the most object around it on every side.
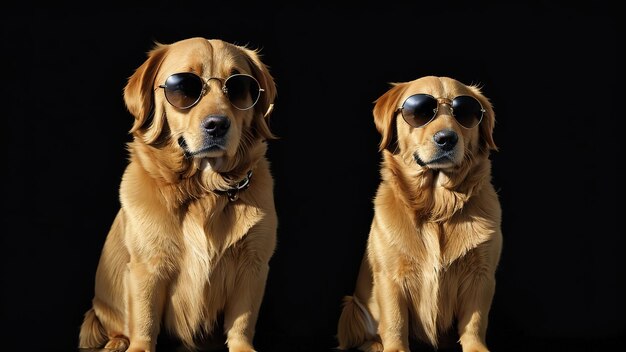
(474, 311)
(242, 307)
(146, 293)
(393, 327)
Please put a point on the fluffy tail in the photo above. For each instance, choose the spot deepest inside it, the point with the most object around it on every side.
(92, 333)
(355, 326)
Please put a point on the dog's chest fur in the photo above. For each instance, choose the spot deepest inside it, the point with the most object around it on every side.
(213, 247)
(210, 237)
(436, 236)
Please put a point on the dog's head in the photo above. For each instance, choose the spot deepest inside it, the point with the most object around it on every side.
(207, 100)
(417, 121)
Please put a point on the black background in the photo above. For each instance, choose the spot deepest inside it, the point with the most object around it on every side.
(553, 71)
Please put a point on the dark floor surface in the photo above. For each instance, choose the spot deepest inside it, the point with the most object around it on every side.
(512, 344)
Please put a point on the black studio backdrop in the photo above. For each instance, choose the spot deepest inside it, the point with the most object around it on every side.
(554, 73)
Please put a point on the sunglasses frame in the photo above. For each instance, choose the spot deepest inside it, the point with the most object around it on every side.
(442, 101)
(205, 89)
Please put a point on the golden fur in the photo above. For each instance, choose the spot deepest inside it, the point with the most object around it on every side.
(179, 253)
(435, 239)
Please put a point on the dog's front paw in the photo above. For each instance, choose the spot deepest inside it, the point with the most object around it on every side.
(240, 346)
(138, 349)
(474, 347)
(141, 346)
(117, 344)
(396, 349)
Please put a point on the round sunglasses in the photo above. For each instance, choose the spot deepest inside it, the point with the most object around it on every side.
(420, 109)
(184, 90)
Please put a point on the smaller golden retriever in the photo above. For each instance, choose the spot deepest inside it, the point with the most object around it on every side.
(435, 239)
(190, 245)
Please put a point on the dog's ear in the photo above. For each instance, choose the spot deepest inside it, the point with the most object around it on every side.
(265, 105)
(487, 124)
(139, 94)
(385, 111)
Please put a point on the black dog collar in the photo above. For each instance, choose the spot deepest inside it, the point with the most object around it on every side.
(233, 191)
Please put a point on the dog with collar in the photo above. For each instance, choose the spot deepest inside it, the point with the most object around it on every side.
(190, 245)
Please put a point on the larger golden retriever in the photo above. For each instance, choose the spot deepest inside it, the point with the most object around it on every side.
(435, 239)
(190, 246)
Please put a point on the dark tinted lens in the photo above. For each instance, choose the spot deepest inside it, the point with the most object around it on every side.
(419, 109)
(183, 90)
(243, 91)
(467, 111)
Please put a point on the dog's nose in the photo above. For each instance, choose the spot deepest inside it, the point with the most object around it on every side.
(216, 125)
(446, 139)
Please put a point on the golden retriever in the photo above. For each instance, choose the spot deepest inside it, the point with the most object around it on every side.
(190, 245)
(435, 240)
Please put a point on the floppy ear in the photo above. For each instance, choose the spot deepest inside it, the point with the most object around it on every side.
(385, 113)
(139, 94)
(265, 105)
(487, 124)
